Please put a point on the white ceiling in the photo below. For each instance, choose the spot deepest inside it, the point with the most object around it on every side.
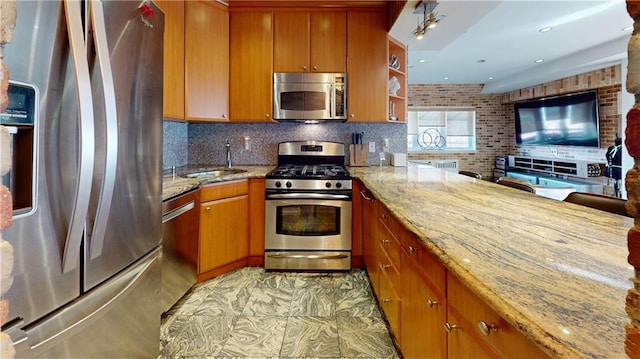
(586, 35)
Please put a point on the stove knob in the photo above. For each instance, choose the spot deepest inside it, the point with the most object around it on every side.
(339, 185)
(288, 184)
(278, 184)
(328, 184)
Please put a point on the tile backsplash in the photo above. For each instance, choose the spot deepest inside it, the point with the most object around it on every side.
(203, 143)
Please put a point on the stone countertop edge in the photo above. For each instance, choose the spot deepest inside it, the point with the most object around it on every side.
(175, 186)
(393, 185)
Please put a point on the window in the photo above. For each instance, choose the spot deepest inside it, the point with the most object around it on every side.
(441, 129)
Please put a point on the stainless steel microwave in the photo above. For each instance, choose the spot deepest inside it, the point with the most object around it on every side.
(309, 96)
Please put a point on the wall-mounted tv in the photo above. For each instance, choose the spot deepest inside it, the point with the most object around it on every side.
(567, 120)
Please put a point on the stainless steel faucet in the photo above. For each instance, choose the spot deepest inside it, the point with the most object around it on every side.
(227, 147)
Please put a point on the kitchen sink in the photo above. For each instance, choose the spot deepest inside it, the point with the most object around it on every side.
(213, 172)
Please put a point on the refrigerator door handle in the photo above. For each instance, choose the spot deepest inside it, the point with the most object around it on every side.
(111, 116)
(71, 252)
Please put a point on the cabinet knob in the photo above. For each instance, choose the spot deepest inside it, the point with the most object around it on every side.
(412, 249)
(353, 115)
(224, 116)
(432, 303)
(304, 68)
(268, 115)
(384, 217)
(486, 328)
(385, 242)
(450, 327)
(315, 68)
(385, 266)
(386, 300)
(208, 209)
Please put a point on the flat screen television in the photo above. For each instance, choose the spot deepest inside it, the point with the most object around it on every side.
(567, 120)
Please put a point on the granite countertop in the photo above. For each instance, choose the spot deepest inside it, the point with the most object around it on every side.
(556, 270)
(173, 186)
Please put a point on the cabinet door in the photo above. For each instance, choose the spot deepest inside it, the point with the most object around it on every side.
(173, 80)
(328, 42)
(291, 42)
(251, 56)
(422, 315)
(224, 232)
(370, 239)
(206, 61)
(461, 344)
(367, 73)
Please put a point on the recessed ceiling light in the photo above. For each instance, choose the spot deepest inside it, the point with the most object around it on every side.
(490, 77)
(421, 60)
(545, 29)
(538, 61)
(446, 77)
(481, 61)
(628, 28)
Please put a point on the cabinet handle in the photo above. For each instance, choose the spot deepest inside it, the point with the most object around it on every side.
(315, 68)
(224, 116)
(412, 249)
(450, 327)
(486, 328)
(384, 266)
(304, 68)
(353, 115)
(386, 300)
(207, 209)
(384, 217)
(385, 242)
(432, 303)
(364, 195)
(268, 115)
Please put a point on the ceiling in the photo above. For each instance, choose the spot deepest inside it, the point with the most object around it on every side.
(497, 43)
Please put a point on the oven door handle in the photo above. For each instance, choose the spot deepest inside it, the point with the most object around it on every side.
(307, 196)
(307, 256)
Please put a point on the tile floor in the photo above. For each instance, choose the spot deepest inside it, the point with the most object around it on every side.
(250, 313)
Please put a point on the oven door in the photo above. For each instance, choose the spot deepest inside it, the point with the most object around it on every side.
(298, 101)
(307, 221)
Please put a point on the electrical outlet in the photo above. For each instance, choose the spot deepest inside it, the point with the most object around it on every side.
(385, 145)
(554, 152)
(372, 147)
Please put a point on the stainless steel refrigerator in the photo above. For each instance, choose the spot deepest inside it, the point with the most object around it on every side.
(86, 272)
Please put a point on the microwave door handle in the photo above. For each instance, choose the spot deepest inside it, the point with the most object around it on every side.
(71, 251)
(111, 118)
(332, 101)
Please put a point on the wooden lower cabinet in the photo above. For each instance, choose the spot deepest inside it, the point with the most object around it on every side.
(224, 229)
(422, 314)
(432, 314)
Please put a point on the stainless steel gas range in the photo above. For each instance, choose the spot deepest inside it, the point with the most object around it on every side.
(308, 208)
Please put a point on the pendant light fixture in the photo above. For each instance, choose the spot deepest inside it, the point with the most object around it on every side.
(429, 18)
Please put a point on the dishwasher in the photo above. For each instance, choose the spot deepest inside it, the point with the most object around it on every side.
(180, 230)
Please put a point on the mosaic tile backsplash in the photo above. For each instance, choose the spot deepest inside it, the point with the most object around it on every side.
(204, 143)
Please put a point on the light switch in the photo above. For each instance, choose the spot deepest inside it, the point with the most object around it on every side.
(372, 147)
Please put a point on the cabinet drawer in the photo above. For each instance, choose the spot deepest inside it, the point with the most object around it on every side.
(498, 334)
(390, 302)
(390, 244)
(221, 190)
(429, 264)
(389, 267)
(390, 221)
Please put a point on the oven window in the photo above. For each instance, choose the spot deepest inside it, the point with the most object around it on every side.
(308, 220)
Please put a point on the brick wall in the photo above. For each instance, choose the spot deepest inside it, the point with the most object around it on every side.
(495, 132)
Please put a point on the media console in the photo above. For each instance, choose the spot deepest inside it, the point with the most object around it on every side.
(556, 172)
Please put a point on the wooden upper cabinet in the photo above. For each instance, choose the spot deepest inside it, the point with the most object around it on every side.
(367, 71)
(328, 42)
(206, 61)
(173, 80)
(251, 66)
(310, 41)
